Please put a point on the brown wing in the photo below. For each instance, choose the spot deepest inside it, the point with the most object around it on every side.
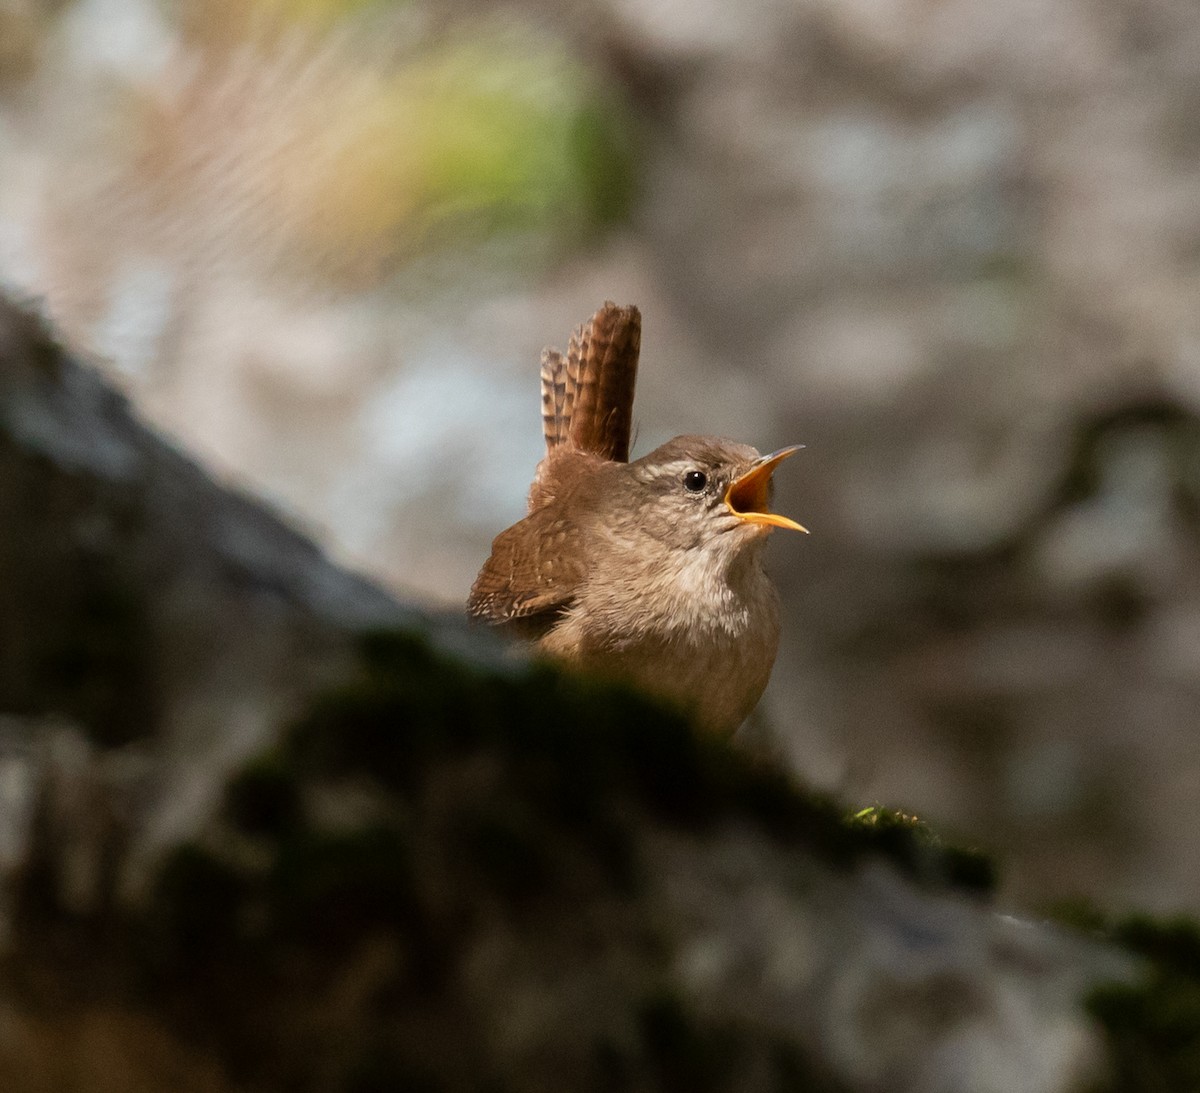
(534, 569)
(587, 409)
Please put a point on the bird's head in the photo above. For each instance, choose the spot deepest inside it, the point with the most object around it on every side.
(696, 491)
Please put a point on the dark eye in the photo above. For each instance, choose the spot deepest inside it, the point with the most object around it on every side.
(695, 481)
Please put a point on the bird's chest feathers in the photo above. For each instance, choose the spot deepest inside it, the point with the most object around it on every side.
(698, 599)
(700, 635)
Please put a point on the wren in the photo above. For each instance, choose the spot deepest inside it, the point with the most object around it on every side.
(649, 572)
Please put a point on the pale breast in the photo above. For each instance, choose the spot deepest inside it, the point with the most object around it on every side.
(705, 641)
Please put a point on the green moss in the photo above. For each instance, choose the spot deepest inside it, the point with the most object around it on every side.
(195, 911)
(264, 798)
(92, 652)
(684, 1054)
(1151, 1025)
(75, 629)
(509, 847)
(1081, 914)
(1171, 942)
(573, 751)
(328, 890)
(382, 1071)
(423, 796)
(29, 334)
(906, 838)
(794, 1071)
(528, 785)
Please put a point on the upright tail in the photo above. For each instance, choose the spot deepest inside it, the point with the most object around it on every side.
(587, 396)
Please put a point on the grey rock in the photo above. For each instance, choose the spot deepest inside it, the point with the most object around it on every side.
(417, 880)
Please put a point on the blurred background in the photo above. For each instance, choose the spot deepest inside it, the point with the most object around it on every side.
(953, 247)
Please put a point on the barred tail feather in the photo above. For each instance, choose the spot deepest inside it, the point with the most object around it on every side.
(602, 373)
(587, 399)
(554, 392)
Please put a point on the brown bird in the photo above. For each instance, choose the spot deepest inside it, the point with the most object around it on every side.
(650, 571)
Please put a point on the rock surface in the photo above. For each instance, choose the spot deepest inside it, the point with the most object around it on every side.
(262, 827)
(952, 247)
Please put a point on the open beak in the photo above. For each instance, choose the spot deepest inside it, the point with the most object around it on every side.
(749, 495)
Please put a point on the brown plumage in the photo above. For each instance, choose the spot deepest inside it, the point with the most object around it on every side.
(587, 399)
(648, 571)
(587, 396)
